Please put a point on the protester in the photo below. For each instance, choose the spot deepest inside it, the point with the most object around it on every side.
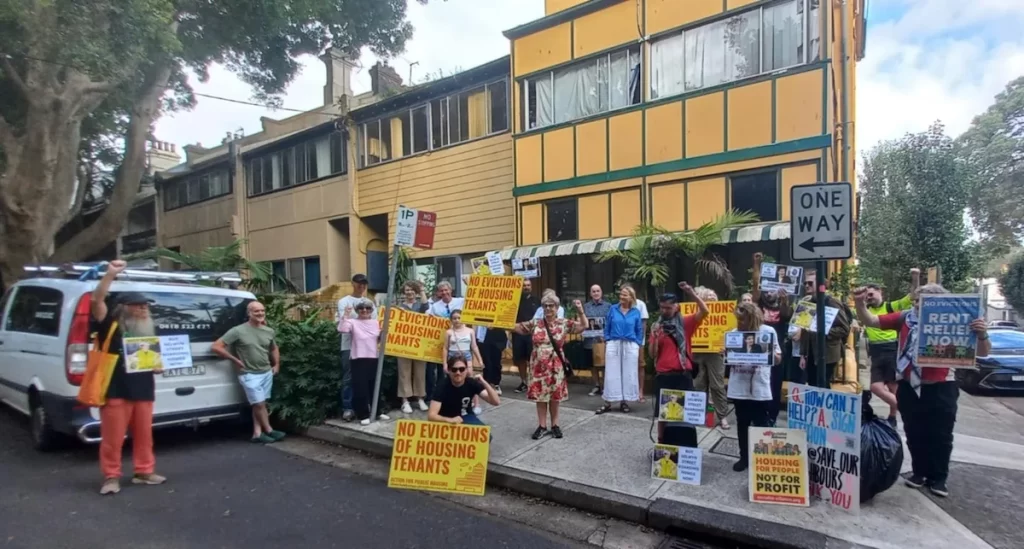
(455, 393)
(835, 339)
(623, 334)
(709, 370)
(348, 303)
(252, 348)
(641, 359)
(412, 374)
(442, 306)
(129, 398)
(492, 343)
(777, 313)
(927, 397)
(750, 385)
(671, 338)
(746, 297)
(539, 313)
(522, 344)
(547, 362)
(594, 347)
(883, 344)
(365, 337)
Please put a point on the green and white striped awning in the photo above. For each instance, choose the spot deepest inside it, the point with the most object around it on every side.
(734, 235)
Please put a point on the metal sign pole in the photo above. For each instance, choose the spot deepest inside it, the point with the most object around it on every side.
(820, 373)
(384, 331)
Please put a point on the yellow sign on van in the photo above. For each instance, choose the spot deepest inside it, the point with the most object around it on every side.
(440, 457)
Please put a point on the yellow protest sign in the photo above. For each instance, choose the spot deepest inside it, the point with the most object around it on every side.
(778, 466)
(710, 335)
(416, 335)
(440, 457)
(492, 301)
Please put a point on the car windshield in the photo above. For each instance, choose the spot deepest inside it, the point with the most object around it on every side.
(1006, 339)
(202, 317)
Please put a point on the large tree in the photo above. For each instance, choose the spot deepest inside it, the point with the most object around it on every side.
(65, 62)
(993, 148)
(914, 195)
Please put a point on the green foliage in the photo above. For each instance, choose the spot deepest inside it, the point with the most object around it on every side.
(993, 147)
(648, 258)
(842, 282)
(258, 276)
(1011, 283)
(914, 197)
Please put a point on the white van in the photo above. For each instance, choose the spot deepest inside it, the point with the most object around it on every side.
(45, 337)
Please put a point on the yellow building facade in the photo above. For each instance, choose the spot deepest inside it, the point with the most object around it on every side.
(673, 112)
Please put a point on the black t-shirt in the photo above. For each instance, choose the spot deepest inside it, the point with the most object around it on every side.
(140, 386)
(456, 401)
(528, 305)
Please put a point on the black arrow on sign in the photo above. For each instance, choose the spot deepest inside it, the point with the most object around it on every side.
(810, 244)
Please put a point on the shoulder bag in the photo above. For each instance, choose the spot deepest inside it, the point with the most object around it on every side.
(566, 366)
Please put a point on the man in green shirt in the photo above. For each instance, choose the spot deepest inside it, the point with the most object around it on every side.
(883, 345)
(251, 347)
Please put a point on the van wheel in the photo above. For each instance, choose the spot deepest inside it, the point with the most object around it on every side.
(44, 438)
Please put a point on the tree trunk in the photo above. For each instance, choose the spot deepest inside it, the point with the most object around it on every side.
(126, 184)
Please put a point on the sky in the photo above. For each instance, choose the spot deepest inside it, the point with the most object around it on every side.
(926, 60)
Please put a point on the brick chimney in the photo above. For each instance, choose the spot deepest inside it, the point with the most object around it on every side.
(161, 156)
(339, 76)
(384, 79)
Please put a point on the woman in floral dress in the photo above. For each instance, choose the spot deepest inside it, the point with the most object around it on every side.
(547, 374)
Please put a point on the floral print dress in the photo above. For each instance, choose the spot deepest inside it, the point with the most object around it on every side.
(547, 376)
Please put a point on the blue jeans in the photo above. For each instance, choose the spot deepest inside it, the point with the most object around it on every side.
(434, 373)
(346, 381)
(471, 419)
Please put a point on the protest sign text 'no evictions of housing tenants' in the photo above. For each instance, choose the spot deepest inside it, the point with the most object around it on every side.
(778, 466)
(416, 335)
(709, 337)
(832, 422)
(440, 457)
(945, 337)
(492, 301)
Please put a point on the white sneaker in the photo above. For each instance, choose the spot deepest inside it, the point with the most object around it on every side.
(383, 417)
(423, 406)
(406, 409)
(364, 422)
(477, 410)
(497, 390)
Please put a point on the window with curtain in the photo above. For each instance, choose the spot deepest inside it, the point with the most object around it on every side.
(315, 158)
(199, 187)
(667, 66)
(814, 30)
(783, 35)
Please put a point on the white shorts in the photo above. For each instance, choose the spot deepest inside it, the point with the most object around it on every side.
(257, 386)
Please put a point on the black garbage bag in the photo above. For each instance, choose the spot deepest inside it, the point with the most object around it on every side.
(881, 453)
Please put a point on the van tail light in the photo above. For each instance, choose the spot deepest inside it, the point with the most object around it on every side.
(77, 354)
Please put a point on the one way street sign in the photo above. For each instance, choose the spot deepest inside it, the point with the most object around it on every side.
(822, 222)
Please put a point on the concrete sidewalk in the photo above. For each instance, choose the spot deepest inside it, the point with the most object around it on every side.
(602, 465)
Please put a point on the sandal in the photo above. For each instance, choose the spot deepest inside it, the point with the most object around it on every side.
(624, 408)
(606, 408)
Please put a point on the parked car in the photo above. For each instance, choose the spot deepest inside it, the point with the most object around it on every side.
(1003, 369)
(45, 338)
(1004, 324)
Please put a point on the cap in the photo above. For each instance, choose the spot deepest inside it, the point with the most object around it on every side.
(668, 298)
(360, 278)
(133, 298)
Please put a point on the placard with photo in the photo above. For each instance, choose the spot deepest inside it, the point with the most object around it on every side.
(749, 348)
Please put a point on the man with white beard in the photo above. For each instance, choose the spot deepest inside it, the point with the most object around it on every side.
(129, 399)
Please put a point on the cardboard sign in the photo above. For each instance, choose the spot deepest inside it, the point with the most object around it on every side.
(416, 335)
(527, 267)
(805, 317)
(595, 327)
(709, 337)
(945, 339)
(492, 301)
(682, 406)
(494, 264)
(749, 348)
(831, 421)
(145, 354)
(677, 464)
(778, 466)
(781, 277)
(440, 457)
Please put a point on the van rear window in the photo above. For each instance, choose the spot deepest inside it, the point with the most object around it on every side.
(203, 317)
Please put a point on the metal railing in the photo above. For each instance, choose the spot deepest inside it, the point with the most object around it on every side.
(92, 271)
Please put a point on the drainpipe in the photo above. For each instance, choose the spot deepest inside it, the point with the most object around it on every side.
(844, 99)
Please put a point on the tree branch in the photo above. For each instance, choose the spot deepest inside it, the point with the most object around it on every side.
(15, 78)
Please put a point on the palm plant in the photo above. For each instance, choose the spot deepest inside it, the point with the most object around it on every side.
(258, 276)
(649, 254)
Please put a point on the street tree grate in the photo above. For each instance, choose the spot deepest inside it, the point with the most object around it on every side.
(727, 446)
(680, 543)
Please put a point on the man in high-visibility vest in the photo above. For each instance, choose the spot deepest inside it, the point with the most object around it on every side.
(883, 345)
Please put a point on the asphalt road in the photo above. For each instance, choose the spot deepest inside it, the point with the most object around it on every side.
(225, 492)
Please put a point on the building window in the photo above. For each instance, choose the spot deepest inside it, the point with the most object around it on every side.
(757, 41)
(302, 272)
(310, 160)
(562, 224)
(196, 188)
(442, 122)
(590, 87)
(757, 193)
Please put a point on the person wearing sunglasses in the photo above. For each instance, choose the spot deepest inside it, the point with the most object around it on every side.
(453, 397)
(365, 333)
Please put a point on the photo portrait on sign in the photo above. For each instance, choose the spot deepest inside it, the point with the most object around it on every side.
(527, 267)
(595, 327)
(665, 463)
(748, 348)
(142, 354)
(776, 277)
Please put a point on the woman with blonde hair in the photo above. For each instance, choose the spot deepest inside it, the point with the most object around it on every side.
(547, 386)
(623, 335)
(710, 375)
(750, 385)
